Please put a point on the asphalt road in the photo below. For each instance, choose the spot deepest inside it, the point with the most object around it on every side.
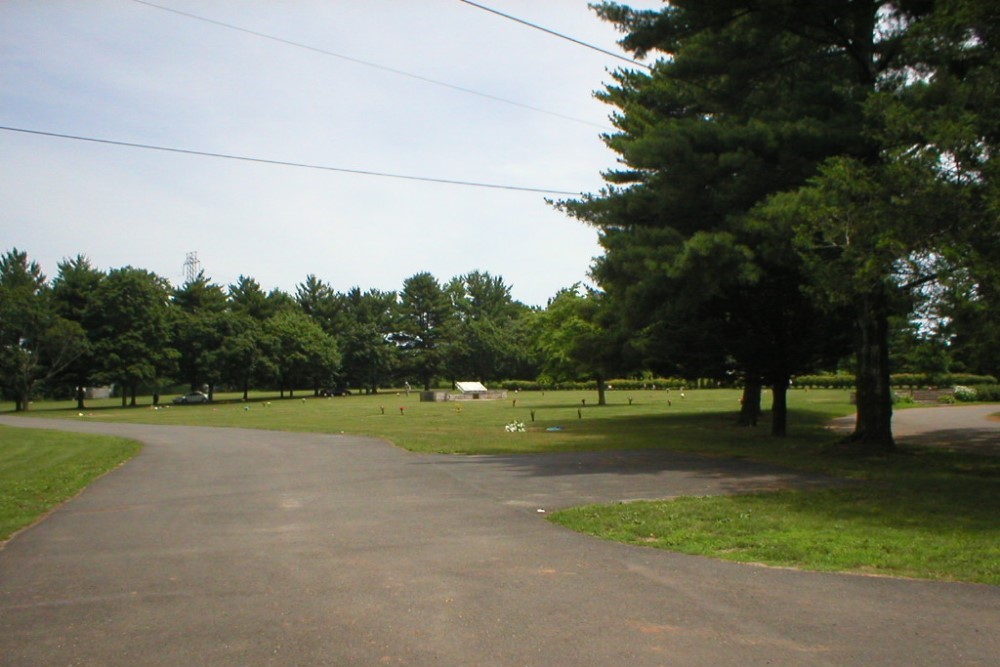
(961, 427)
(224, 547)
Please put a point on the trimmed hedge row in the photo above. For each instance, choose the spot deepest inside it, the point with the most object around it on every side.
(631, 385)
(986, 385)
(831, 381)
(899, 380)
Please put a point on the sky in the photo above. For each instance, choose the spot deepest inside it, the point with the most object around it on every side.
(124, 71)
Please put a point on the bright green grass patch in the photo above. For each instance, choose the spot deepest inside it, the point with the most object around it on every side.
(40, 469)
(934, 516)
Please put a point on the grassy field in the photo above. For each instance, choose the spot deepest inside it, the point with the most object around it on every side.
(40, 469)
(701, 420)
(924, 513)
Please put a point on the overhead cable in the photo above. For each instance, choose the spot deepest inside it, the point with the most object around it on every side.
(557, 34)
(284, 163)
(366, 63)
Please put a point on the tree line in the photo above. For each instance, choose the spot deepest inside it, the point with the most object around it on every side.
(129, 327)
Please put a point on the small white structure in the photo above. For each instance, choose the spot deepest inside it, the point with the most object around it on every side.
(465, 391)
(471, 388)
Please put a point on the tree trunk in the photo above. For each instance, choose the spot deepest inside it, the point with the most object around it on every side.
(750, 401)
(246, 390)
(779, 407)
(602, 398)
(873, 428)
(80, 396)
(132, 403)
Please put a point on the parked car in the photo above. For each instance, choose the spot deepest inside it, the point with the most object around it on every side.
(342, 391)
(193, 397)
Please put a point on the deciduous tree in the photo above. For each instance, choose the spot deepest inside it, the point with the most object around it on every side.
(578, 340)
(133, 341)
(300, 352)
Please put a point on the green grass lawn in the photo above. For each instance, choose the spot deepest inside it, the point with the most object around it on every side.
(906, 524)
(40, 469)
(703, 420)
(923, 513)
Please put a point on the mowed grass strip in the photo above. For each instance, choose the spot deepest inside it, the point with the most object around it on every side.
(40, 469)
(925, 514)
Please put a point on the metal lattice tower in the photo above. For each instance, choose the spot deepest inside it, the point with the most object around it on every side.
(192, 267)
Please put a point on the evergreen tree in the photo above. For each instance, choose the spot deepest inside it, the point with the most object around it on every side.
(426, 326)
(739, 110)
(36, 344)
(765, 127)
(485, 314)
(199, 307)
(73, 293)
(369, 320)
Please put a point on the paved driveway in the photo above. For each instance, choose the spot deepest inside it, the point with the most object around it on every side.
(961, 427)
(225, 547)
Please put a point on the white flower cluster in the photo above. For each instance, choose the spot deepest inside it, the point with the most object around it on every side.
(515, 427)
(965, 393)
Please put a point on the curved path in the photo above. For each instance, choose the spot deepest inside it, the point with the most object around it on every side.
(226, 547)
(964, 427)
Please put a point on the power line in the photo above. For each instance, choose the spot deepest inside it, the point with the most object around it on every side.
(283, 163)
(557, 34)
(366, 63)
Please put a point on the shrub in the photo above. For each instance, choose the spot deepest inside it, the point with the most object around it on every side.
(825, 381)
(966, 394)
(988, 393)
(649, 383)
(911, 380)
(899, 380)
(968, 380)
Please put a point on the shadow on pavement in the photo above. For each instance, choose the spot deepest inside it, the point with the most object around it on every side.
(567, 479)
(970, 440)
